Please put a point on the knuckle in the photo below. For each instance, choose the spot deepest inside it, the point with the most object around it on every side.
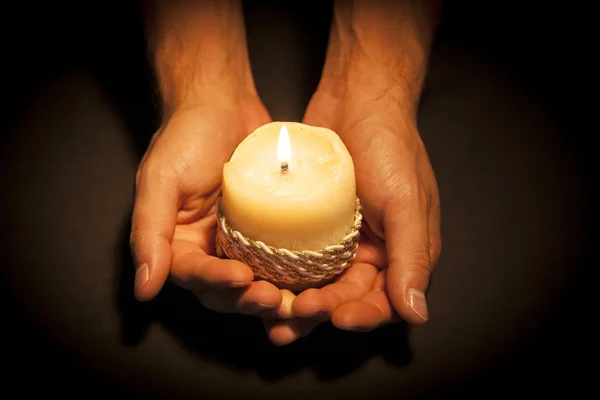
(136, 237)
(435, 251)
(334, 294)
(420, 261)
(411, 191)
(408, 195)
(406, 191)
(155, 171)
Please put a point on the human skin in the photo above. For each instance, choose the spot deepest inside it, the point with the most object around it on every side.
(369, 93)
(209, 104)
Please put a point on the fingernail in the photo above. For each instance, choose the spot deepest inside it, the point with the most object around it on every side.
(264, 306)
(416, 301)
(237, 284)
(142, 274)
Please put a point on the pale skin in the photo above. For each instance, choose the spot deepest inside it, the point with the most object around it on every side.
(369, 92)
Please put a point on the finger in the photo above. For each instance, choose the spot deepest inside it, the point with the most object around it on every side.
(321, 303)
(259, 298)
(281, 333)
(284, 311)
(435, 234)
(192, 268)
(153, 225)
(407, 240)
(371, 249)
(370, 312)
(315, 116)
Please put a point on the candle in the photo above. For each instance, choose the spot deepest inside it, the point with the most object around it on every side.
(291, 186)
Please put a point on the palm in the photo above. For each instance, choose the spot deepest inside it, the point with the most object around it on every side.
(400, 240)
(200, 157)
(192, 148)
(184, 164)
(366, 273)
(360, 279)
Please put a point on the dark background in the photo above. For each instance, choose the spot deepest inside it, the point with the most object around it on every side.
(58, 336)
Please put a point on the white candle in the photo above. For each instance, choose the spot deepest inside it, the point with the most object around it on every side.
(295, 192)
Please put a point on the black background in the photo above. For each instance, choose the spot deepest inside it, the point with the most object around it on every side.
(545, 47)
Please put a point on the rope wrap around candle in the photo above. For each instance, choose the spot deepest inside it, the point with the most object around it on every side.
(287, 266)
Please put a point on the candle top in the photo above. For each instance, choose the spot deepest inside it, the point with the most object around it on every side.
(313, 156)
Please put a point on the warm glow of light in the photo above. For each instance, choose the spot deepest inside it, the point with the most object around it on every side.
(284, 150)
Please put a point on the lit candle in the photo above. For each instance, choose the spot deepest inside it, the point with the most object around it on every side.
(284, 149)
(291, 186)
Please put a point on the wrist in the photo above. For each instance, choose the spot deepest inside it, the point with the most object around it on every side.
(344, 101)
(371, 80)
(198, 51)
(378, 51)
(203, 78)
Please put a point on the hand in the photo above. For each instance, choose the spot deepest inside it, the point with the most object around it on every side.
(400, 242)
(399, 191)
(174, 218)
(369, 94)
(313, 306)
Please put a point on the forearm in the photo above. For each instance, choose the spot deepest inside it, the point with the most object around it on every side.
(197, 48)
(379, 48)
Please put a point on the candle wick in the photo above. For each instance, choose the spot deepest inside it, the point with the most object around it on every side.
(284, 167)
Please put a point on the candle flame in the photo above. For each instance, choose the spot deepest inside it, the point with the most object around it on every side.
(284, 149)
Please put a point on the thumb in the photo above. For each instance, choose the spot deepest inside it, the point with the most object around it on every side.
(317, 114)
(153, 226)
(409, 271)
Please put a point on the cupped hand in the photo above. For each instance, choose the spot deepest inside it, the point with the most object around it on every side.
(174, 217)
(400, 241)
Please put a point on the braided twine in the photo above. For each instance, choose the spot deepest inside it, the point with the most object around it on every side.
(285, 266)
